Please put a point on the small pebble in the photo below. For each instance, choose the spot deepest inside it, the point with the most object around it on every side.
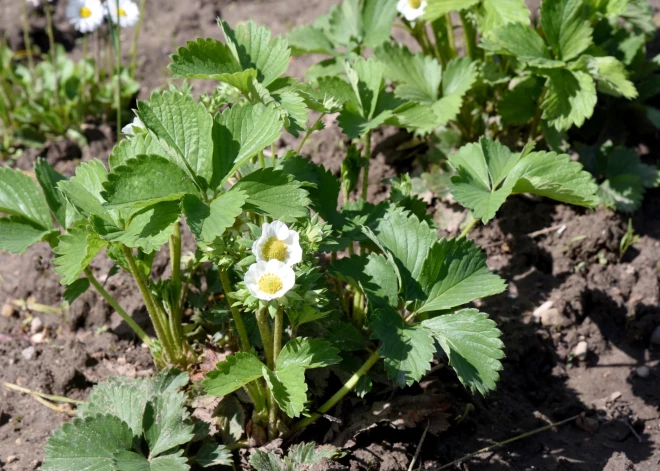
(36, 326)
(581, 350)
(38, 338)
(12, 458)
(643, 371)
(542, 308)
(8, 310)
(655, 336)
(614, 396)
(19, 441)
(28, 353)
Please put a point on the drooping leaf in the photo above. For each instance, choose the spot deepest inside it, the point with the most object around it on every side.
(308, 454)
(406, 349)
(74, 253)
(307, 353)
(233, 373)
(209, 221)
(17, 234)
(75, 290)
(20, 196)
(48, 179)
(570, 99)
(472, 343)
(567, 27)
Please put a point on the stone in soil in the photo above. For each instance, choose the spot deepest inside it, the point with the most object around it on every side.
(643, 371)
(581, 350)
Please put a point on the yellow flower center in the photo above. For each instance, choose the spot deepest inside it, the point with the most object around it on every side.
(85, 12)
(274, 248)
(122, 12)
(270, 284)
(415, 4)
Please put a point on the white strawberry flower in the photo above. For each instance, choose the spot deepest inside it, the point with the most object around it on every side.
(129, 12)
(278, 242)
(85, 15)
(411, 9)
(130, 128)
(269, 280)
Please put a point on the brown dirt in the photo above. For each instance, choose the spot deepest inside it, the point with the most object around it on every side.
(612, 304)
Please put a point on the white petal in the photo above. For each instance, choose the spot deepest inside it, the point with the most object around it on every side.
(294, 253)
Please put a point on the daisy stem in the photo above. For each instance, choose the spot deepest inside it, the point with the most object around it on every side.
(26, 36)
(345, 389)
(367, 156)
(266, 336)
(136, 36)
(235, 313)
(53, 53)
(118, 70)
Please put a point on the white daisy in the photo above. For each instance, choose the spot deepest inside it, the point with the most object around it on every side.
(278, 242)
(129, 12)
(85, 15)
(411, 9)
(131, 128)
(269, 280)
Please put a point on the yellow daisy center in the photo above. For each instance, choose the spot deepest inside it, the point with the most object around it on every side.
(85, 12)
(270, 284)
(415, 4)
(122, 12)
(274, 248)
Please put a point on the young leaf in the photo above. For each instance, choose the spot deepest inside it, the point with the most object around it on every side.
(86, 444)
(131, 461)
(209, 221)
(274, 193)
(566, 27)
(166, 423)
(84, 190)
(233, 373)
(17, 234)
(183, 128)
(20, 196)
(406, 349)
(74, 252)
(307, 353)
(288, 387)
(472, 343)
(570, 100)
(147, 180)
(48, 179)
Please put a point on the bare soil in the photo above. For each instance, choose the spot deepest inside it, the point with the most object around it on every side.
(547, 252)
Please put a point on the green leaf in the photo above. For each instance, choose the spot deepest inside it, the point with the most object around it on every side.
(131, 461)
(284, 98)
(366, 78)
(166, 423)
(438, 8)
(209, 221)
(232, 374)
(455, 273)
(205, 59)
(407, 349)
(372, 274)
(20, 196)
(127, 149)
(240, 132)
(147, 180)
(84, 190)
(274, 193)
(17, 234)
(75, 290)
(74, 252)
(611, 76)
(523, 42)
(212, 454)
(308, 454)
(86, 444)
(48, 179)
(460, 74)
(518, 105)
(307, 353)
(377, 20)
(253, 48)
(288, 388)
(266, 461)
(570, 100)
(566, 27)
(493, 14)
(622, 192)
(308, 39)
(182, 127)
(472, 343)
(418, 75)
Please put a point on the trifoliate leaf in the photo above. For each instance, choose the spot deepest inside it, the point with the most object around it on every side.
(472, 343)
(455, 273)
(232, 374)
(147, 180)
(253, 48)
(307, 353)
(84, 190)
(406, 349)
(212, 454)
(523, 42)
(87, 444)
(288, 387)
(131, 461)
(17, 234)
(372, 274)
(492, 14)
(20, 196)
(274, 193)
(48, 179)
(519, 105)
(141, 144)
(437, 8)
(74, 252)
(148, 229)
(75, 290)
(567, 27)
(166, 424)
(611, 76)
(209, 221)
(240, 132)
(183, 128)
(570, 100)
(418, 75)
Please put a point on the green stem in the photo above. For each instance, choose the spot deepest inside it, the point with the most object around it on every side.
(266, 336)
(273, 155)
(236, 314)
(358, 308)
(175, 261)
(136, 36)
(533, 130)
(277, 334)
(468, 228)
(53, 52)
(26, 36)
(451, 40)
(115, 305)
(367, 156)
(308, 133)
(470, 33)
(345, 389)
(262, 159)
(50, 397)
(273, 410)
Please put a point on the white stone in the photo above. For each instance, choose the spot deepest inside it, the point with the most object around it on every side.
(643, 371)
(38, 338)
(581, 350)
(28, 353)
(37, 325)
(542, 308)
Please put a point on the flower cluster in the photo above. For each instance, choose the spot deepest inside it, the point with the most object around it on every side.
(87, 15)
(277, 251)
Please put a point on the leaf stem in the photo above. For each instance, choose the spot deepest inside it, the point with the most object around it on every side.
(175, 261)
(278, 329)
(367, 157)
(345, 389)
(236, 314)
(136, 36)
(471, 225)
(266, 336)
(470, 33)
(308, 133)
(118, 309)
(262, 159)
(451, 40)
